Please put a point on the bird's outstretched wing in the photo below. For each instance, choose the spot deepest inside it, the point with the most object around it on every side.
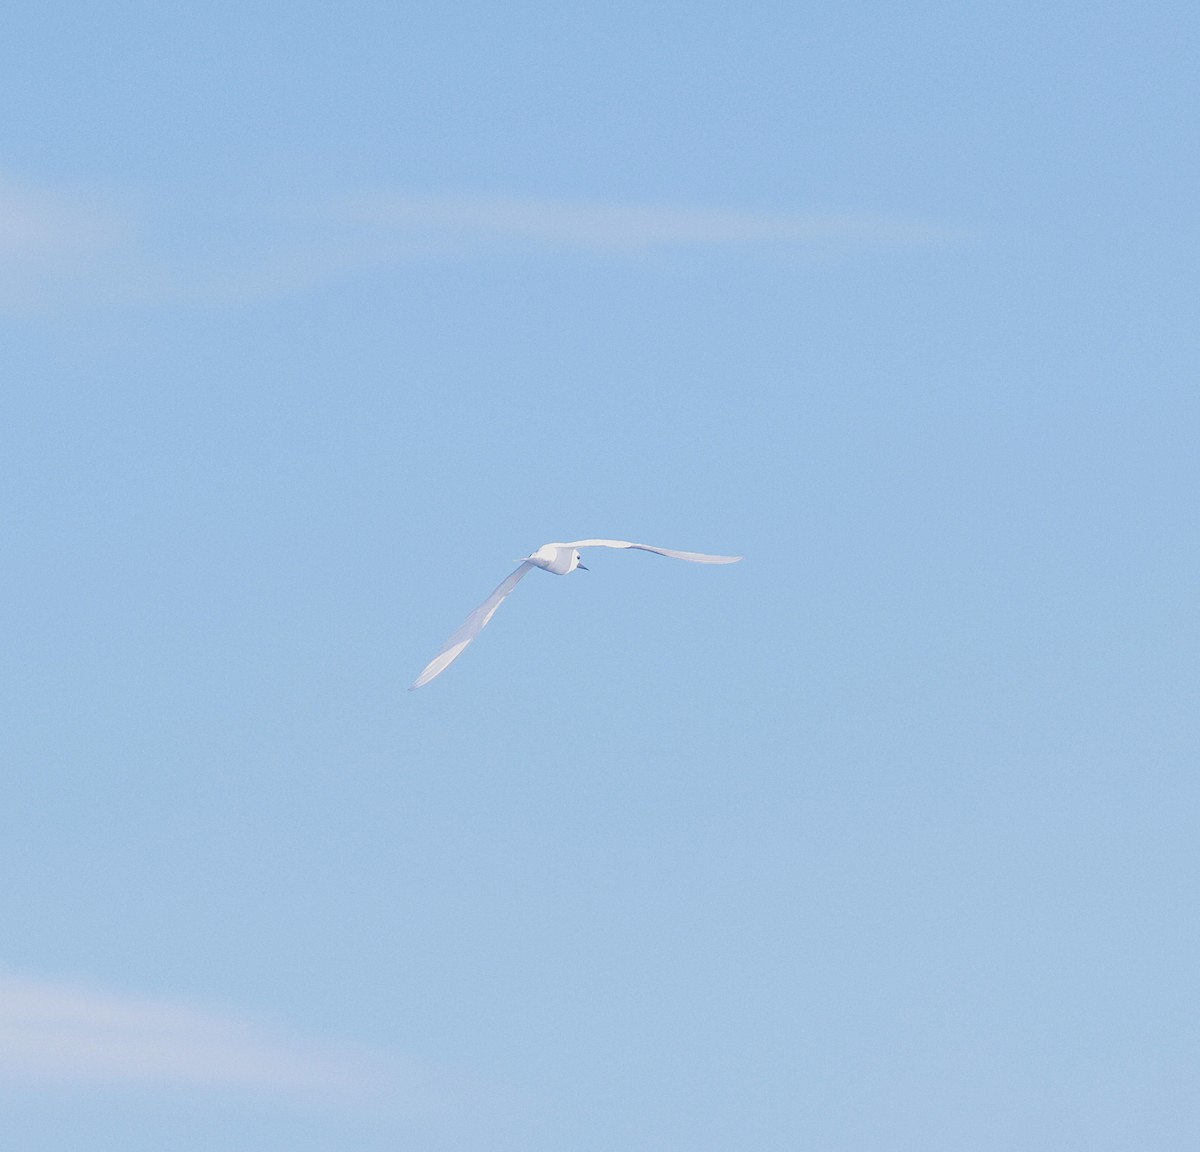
(698, 557)
(471, 627)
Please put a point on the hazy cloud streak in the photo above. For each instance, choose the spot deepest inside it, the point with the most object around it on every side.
(43, 225)
(625, 227)
(61, 1034)
(66, 247)
(62, 250)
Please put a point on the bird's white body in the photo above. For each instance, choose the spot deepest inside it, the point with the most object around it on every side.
(561, 559)
(557, 558)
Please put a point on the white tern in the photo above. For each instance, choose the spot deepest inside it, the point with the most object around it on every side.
(561, 559)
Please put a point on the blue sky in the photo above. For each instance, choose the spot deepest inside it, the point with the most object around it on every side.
(313, 321)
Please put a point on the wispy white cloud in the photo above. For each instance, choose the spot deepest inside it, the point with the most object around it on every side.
(44, 225)
(62, 249)
(60, 246)
(56, 1034)
(618, 228)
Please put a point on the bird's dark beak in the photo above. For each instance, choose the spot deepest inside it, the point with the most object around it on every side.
(583, 566)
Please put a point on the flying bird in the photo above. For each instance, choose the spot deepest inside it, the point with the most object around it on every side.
(561, 559)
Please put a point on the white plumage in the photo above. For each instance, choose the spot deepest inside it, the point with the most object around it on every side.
(561, 559)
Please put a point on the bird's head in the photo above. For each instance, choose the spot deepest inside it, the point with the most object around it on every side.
(575, 558)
